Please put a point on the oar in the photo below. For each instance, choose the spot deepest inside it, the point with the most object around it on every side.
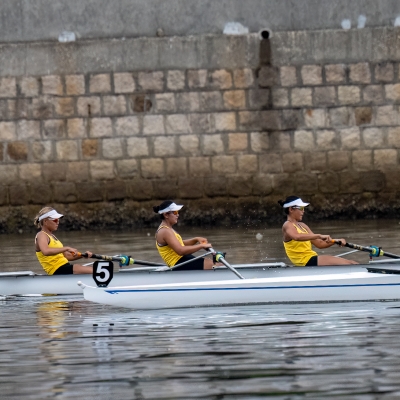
(123, 260)
(220, 258)
(373, 250)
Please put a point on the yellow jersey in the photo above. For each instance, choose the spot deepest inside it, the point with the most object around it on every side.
(168, 254)
(51, 263)
(298, 252)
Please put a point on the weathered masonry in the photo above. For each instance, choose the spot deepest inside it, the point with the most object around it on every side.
(104, 128)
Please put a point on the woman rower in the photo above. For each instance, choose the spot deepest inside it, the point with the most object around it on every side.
(172, 248)
(52, 255)
(298, 237)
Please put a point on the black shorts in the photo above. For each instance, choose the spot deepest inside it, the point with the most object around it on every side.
(66, 269)
(312, 262)
(194, 265)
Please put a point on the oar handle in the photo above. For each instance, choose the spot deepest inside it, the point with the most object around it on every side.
(220, 258)
(116, 258)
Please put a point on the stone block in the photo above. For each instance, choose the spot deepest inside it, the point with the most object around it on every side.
(350, 138)
(338, 160)
(329, 182)
(243, 78)
(127, 168)
(18, 194)
(177, 124)
(311, 74)
(127, 126)
(52, 84)
(189, 145)
(292, 162)
(65, 192)
(223, 165)
(76, 128)
(211, 101)
(176, 167)
(301, 97)
(268, 76)
(215, 186)
(153, 125)
(315, 161)
(164, 146)
(305, 183)
(259, 141)
(152, 168)
(303, 140)
(385, 158)
(88, 106)
(75, 85)
(240, 186)
(394, 137)
(335, 73)
(100, 127)
(362, 160)
(90, 148)
(289, 119)
(360, 73)
(348, 95)
(212, 145)
(140, 103)
(112, 148)
(199, 166)
(187, 102)
(288, 76)
(137, 147)
(350, 182)
(27, 129)
(54, 172)
(363, 115)
(8, 131)
(175, 80)
(40, 193)
(270, 120)
(315, 118)
(281, 140)
(100, 83)
(197, 78)
(114, 105)
(341, 116)
(29, 86)
(237, 142)
(373, 94)
(262, 185)
(384, 72)
(124, 82)
(102, 170)
(373, 137)
(234, 99)
(280, 97)
(67, 150)
(42, 107)
(64, 106)
(200, 123)
(140, 190)
(224, 121)
(221, 79)
(190, 188)
(8, 174)
(249, 120)
(392, 92)
(282, 184)
(386, 116)
(165, 102)
(91, 192)
(270, 163)
(42, 150)
(20, 108)
(17, 151)
(115, 190)
(372, 181)
(325, 96)
(54, 129)
(260, 98)
(77, 171)
(151, 81)
(247, 164)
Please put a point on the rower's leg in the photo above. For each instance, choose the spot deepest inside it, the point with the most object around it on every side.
(82, 269)
(332, 260)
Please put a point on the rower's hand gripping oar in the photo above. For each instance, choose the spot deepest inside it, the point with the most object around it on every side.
(219, 257)
(123, 260)
(374, 251)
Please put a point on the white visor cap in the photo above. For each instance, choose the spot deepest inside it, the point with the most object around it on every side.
(51, 214)
(171, 207)
(297, 202)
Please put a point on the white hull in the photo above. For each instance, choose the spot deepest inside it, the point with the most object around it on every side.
(28, 283)
(334, 287)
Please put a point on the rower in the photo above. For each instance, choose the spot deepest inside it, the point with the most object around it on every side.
(298, 238)
(172, 248)
(52, 255)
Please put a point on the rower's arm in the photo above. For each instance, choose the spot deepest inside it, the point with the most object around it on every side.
(42, 242)
(320, 243)
(169, 238)
(195, 240)
(290, 233)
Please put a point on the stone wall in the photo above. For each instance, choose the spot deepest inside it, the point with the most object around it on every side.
(262, 121)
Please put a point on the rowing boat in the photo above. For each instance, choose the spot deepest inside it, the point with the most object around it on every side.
(314, 284)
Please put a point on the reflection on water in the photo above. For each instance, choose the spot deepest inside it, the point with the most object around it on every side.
(66, 348)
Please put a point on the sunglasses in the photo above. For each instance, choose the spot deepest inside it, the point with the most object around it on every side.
(299, 208)
(174, 212)
(56, 220)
